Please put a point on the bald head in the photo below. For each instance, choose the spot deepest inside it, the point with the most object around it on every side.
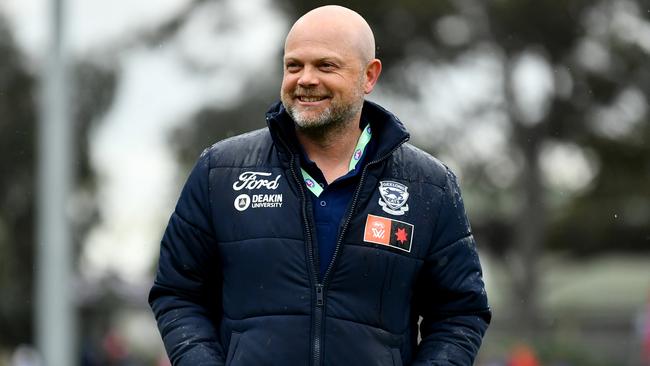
(329, 66)
(336, 24)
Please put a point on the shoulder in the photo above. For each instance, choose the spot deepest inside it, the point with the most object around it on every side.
(413, 164)
(248, 149)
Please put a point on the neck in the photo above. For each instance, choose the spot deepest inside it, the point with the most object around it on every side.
(331, 149)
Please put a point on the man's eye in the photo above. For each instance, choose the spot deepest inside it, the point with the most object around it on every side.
(292, 67)
(327, 67)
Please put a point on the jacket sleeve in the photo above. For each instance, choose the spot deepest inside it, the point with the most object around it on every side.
(450, 294)
(185, 297)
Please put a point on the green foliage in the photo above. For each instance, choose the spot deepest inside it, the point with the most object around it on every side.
(551, 24)
(614, 213)
(567, 351)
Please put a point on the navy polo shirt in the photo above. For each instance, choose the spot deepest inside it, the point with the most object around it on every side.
(329, 208)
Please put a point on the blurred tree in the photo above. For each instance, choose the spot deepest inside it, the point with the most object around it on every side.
(591, 102)
(17, 123)
(93, 88)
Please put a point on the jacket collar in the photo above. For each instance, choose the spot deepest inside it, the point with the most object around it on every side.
(388, 132)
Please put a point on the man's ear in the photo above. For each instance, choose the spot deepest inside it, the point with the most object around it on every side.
(373, 69)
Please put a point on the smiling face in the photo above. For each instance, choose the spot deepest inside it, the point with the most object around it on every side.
(328, 68)
(321, 86)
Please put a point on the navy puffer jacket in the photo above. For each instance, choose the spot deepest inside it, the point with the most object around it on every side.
(237, 281)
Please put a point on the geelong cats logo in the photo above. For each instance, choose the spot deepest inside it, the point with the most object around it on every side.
(393, 197)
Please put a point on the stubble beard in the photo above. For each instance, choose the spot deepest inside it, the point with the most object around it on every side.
(334, 118)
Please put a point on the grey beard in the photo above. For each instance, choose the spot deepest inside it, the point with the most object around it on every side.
(331, 120)
(319, 127)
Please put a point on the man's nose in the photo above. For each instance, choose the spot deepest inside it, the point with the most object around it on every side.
(308, 77)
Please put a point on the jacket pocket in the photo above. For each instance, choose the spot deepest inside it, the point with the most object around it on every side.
(397, 356)
(232, 347)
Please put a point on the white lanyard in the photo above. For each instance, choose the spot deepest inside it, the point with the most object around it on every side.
(364, 139)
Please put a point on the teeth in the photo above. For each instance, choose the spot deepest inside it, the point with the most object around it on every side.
(311, 99)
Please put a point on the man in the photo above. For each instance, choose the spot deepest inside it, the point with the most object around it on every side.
(323, 239)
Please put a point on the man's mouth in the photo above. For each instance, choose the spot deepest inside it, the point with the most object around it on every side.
(310, 99)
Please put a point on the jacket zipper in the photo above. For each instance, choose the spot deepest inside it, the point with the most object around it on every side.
(320, 287)
(320, 300)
